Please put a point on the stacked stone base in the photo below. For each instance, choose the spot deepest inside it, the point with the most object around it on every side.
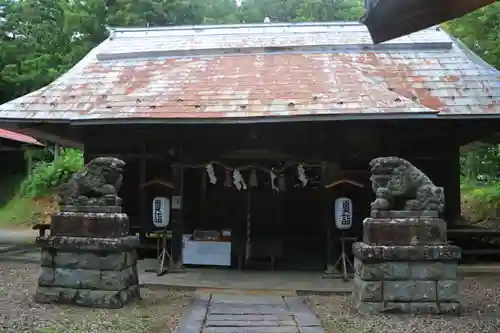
(404, 265)
(88, 271)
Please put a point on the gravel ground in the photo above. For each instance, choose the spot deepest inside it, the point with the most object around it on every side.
(158, 312)
(480, 297)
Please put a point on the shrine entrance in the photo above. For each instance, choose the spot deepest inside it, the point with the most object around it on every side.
(275, 221)
(240, 205)
(276, 215)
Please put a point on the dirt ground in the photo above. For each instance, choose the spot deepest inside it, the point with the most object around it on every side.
(480, 297)
(158, 312)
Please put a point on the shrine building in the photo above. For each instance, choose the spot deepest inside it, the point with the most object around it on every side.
(247, 134)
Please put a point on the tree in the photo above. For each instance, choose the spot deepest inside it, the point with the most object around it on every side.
(41, 39)
(480, 31)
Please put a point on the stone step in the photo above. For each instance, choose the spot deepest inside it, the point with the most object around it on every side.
(284, 329)
(250, 323)
(237, 317)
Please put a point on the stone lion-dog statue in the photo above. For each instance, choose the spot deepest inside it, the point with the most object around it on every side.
(393, 177)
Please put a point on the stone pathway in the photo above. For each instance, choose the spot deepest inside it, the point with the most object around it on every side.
(228, 313)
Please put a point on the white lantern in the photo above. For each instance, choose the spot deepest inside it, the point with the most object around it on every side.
(161, 212)
(343, 213)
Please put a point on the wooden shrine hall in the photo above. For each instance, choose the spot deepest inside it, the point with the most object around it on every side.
(239, 139)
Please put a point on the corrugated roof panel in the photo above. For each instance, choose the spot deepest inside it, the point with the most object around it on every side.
(5, 134)
(265, 71)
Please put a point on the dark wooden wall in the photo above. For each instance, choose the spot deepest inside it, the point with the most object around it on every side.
(431, 145)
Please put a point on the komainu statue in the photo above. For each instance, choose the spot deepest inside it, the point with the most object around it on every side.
(395, 177)
(97, 184)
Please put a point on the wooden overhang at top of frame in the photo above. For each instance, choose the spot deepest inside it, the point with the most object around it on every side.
(389, 19)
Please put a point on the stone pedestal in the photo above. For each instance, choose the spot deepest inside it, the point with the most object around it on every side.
(89, 260)
(404, 265)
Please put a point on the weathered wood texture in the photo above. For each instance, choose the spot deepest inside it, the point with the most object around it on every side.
(432, 146)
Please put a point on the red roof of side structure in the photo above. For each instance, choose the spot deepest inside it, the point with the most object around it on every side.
(8, 135)
(264, 72)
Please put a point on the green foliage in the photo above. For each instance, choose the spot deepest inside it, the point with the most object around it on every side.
(480, 200)
(254, 11)
(49, 175)
(480, 31)
(480, 185)
(41, 39)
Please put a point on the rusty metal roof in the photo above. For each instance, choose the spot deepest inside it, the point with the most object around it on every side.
(265, 71)
(13, 136)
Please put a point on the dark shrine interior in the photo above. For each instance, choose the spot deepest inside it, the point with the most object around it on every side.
(297, 217)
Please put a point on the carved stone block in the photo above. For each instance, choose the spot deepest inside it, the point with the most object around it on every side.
(402, 214)
(404, 231)
(68, 243)
(86, 297)
(433, 270)
(428, 308)
(447, 290)
(89, 224)
(368, 291)
(378, 253)
(382, 271)
(81, 278)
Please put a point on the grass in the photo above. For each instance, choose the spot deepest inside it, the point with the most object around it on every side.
(22, 212)
(14, 210)
(17, 211)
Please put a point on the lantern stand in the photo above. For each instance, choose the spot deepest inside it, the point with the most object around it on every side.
(344, 259)
(163, 252)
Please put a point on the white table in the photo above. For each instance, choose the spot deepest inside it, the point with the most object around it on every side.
(206, 253)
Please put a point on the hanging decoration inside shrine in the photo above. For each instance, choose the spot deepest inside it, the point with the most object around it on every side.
(273, 181)
(238, 180)
(246, 176)
(301, 174)
(211, 173)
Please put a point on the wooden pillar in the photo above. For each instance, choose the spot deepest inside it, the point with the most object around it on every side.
(86, 156)
(142, 193)
(177, 218)
(329, 173)
(450, 171)
(57, 152)
(29, 163)
(203, 198)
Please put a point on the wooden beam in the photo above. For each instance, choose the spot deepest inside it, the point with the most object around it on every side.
(126, 155)
(156, 182)
(344, 181)
(4, 148)
(41, 134)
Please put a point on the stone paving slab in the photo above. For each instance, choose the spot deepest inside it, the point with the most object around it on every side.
(249, 323)
(317, 329)
(252, 330)
(228, 309)
(248, 299)
(249, 317)
(233, 313)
